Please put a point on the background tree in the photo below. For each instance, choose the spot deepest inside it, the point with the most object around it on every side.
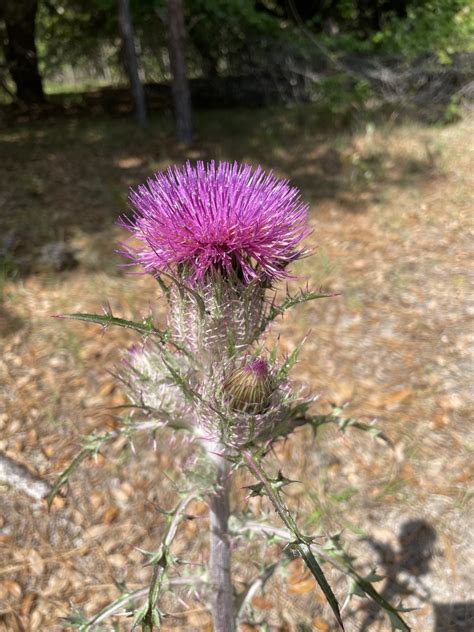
(20, 48)
(180, 86)
(130, 60)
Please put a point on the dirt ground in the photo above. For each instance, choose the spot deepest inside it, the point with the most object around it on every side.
(391, 207)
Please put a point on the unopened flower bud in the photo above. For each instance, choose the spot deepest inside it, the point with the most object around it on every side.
(249, 387)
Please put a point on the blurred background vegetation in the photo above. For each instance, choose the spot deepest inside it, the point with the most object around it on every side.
(239, 52)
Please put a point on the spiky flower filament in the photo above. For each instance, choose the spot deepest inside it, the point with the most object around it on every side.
(220, 217)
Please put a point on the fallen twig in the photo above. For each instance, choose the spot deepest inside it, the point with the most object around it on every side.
(20, 478)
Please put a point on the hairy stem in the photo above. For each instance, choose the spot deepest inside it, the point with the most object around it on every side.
(220, 558)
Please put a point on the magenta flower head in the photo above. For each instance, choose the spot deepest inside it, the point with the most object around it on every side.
(225, 217)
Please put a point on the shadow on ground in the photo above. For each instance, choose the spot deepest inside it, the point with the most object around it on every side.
(405, 568)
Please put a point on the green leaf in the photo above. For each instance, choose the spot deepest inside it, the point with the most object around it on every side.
(105, 320)
(164, 288)
(366, 587)
(281, 481)
(180, 381)
(256, 490)
(319, 576)
(315, 421)
(76, 620)
(290, 301)
(230, 343)
(139, 616)
(93, 443)
(273, 354)
(290, 361)
(65, 474)
(373, 578)
(397, 622)
(349, 422)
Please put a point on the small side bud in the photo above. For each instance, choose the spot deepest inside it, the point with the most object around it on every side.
(249, 387)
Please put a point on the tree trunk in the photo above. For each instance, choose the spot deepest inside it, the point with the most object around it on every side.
(130, 60)
(180, 86)
(20, 49)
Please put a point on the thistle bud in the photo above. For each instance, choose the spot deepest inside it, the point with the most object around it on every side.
(249, 387)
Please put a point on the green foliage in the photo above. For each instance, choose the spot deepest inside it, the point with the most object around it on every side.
(224, 31)
(72, 31)
(8, 270)
(453, 110)
(85, 34)
(410, 28)
(341, 97)
(443, 27)
(236, 37)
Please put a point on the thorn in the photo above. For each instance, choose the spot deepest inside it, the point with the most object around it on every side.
(107, 309)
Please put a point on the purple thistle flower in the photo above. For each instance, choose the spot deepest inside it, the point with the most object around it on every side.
(257, 367)
(229, 217)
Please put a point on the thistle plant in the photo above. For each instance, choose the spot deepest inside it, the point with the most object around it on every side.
(218, 239)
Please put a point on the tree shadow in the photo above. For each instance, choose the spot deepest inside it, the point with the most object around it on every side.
(9, 323)
(404, 568)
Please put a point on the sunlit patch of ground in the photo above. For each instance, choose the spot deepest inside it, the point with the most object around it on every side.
(392, 218)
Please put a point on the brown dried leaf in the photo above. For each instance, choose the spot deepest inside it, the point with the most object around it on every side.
(261, 602)
(107, 388)
(27, 603)
(11, 588)
(36, 620)
(36, 562)
(302, 587)
(56, 584)
(391, 400)
(117, 560)
(110, 514)
(320, 624)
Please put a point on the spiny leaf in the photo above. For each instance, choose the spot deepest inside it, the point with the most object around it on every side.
(302, 543)
(335, 416)
(180, 381)
(92, 446)
(125, 600)
(139, 616)
(107, 319)
(371, 430)
(281, 481)
(373, 577)
(256, 490)
(319, 576)
(393, 613)
(65, 474)
(397, 622)
(273, 354)
(164, 288)
(291, 301)
(290, 361)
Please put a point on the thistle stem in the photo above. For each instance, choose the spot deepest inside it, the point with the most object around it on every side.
(223, 615)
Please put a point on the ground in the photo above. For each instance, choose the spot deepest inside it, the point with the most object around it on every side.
(391, 209)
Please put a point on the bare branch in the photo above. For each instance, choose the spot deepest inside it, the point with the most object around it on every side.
(19, 477)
